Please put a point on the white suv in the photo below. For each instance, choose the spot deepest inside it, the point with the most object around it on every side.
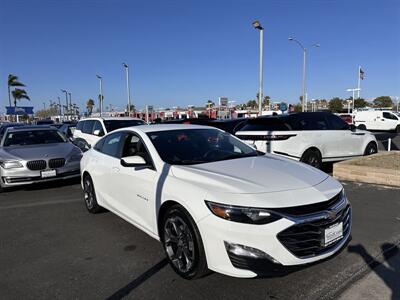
(312, 138)
(89, 131)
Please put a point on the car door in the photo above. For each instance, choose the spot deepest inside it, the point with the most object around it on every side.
(389, 121)
(107, 166)
(87, 130)
(135, 186)
(344, 141)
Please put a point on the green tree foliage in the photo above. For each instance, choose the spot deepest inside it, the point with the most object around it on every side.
(297, 107)
(12, 81)
(360, 103)
(252, 104)
(336, 105)
(89, 106)
(266, 101)
(383, 101)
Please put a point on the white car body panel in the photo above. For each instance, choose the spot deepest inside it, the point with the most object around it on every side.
(375, 120)
(268, 181)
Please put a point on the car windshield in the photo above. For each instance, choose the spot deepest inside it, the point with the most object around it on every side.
(196, 146)
(112, 125)
(33, 137)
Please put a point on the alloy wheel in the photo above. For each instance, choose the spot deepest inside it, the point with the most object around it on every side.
(88, 193)
(179, 243)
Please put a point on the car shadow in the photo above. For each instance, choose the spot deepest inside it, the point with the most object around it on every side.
(124, 291)
(45, 185)
(390, 274)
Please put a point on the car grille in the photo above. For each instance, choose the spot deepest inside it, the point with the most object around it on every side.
(306, 239)
(36, 165)
(56, 163)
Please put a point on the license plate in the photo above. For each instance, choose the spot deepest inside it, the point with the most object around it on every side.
(50, 173)
(333, 233)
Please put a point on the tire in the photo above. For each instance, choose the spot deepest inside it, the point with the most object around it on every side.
(371, 149)
(362, 127)
(313, 158)
(90, 196)
(182, 243)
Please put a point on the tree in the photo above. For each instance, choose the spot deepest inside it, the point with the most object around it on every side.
(383, 101)
(210, 103)
(266, 101)
(336, 105)
(18, 94)
(360, 103)
(297, 107)
(89, 106)
(133, 108)
(12, 82)
(252, 104)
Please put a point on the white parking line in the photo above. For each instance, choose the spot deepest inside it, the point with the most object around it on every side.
(39, 204)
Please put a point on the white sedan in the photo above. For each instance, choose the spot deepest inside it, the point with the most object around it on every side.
(214, 202)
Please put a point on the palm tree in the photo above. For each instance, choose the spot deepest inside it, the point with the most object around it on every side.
(18, 94)
(89, 106)
(12, 82)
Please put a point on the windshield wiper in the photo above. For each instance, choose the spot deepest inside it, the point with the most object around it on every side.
(234, 156)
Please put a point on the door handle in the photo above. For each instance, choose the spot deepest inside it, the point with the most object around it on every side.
(115, 169)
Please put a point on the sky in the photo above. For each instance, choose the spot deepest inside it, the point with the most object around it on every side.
(184, 52)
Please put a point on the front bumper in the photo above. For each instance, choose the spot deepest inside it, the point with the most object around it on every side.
(24, 176)
(266, 238)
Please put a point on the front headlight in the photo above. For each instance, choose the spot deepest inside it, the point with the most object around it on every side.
(11, 164)
(242, 214)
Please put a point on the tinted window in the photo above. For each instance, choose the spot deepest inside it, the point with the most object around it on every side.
(134, 146)
(88, 126)
(266, 124)
(112, 125)
(196, 146)
(336, 123)
(98, 126)
(111, 144)
(33, 137)
(79, 126)
(390, 116)
(312, 122)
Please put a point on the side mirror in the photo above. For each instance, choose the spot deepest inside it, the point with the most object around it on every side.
(133, 161)
(98, 132)
(352, 127)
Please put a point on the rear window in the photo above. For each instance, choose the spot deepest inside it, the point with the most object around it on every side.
(112, 125)
(266, 124)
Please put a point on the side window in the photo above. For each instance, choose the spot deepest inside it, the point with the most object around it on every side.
(336, 123)
(388, 115)
(79, 126)
(88, 127)
(98, 126)
(111, 145)
(134, 146)
(312, 122)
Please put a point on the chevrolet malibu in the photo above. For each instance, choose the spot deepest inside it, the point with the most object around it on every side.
(214, 202)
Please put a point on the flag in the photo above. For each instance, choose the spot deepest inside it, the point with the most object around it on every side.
(361, 74)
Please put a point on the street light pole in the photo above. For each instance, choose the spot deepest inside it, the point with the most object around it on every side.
(59, 106)
(66, 102)
(70, 106)
(127, 87)
(303, 85)
(352, 110)
(257, 25)
(101, 93)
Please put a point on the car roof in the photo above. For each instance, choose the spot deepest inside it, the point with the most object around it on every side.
(110, 118)
(32, 127)
(165, 127)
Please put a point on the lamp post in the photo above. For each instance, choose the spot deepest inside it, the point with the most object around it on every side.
(352, 110)
(70, 105)
(127, 87)
(59, 106)
(101, 93)
(66, 102)
(257, 25)
(303, 85)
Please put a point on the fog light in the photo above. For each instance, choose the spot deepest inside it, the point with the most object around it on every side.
(241, 250)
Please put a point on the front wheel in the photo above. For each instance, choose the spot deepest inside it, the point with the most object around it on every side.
(313, 158)
(183, 244)
(362, 127)
(371, 149)
(90, 196)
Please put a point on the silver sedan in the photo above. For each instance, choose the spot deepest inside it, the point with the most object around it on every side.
(32, 154)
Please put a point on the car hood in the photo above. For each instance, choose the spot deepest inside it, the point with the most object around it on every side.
(261, 174)
(34, 152)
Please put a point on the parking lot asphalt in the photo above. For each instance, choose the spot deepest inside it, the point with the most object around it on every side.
(52, 248)
(383, 140)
